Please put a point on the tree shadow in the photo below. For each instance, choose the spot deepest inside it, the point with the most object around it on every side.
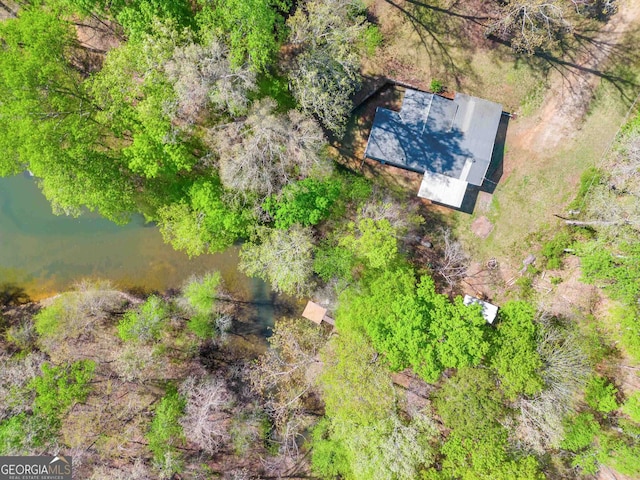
(442, 35)
(11, 295)
(442, 32)
(611, 58)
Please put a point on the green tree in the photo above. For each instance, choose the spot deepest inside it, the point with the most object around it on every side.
(138, 103)
(203, 222)
(486, 459)
(166, 433)
(281, 257)
(413, 325)
(470, 404)
(373, 241)
(306, 202)
(49, 123)
(514, 354)
(600, 395)
(580, 431)
(250, 27)
(145, 324)
(200, 295)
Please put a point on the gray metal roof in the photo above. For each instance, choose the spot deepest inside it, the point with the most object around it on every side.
(432, 133)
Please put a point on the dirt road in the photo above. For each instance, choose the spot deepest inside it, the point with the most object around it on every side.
(572, 87)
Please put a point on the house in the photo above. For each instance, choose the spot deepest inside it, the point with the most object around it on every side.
(317, 314)
(449, 141)
(489, 311)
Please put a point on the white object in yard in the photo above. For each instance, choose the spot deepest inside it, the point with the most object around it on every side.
(489, 311)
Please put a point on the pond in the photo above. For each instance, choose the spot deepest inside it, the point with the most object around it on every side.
(45, 253)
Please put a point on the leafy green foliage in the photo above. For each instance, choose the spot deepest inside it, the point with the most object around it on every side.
(618, 273)
(362, 436)
(47, 320)
(436, 86)
(329, 456)
(145, 324)
(165, 432)
(48, 123)
(306, 202)
(632, 406)
(513, 353)
(621, 453)
(413, 325)
(470, 404)
(333, 262)
(628, 317)
(137, 17)
(355, 388)
(486, 459)
(59, 387)
(200, 295)
(56, 391)
(553, 250)
(249, 26)
(580, 431)
(601, 395)
(137, 101)
(283, 258)
(203, 223)
(591, 176)
(373, 241)
(372, 38)
(13, 433)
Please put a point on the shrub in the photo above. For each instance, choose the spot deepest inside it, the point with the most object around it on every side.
(579, 432)
(201, 293)
(553, 250)
(436, 86)
(145, 324)
(47, 320)
(514, 354)
(629, 320)
(632, 407)
(621, 453)
(372, 38)
(591, 176)
(60, 387)
(601, 395)
(166, 432)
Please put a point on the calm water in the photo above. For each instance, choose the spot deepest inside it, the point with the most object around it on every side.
(46, 253)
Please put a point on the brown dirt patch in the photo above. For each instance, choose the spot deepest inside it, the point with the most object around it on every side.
(482, 227)
(572, 89)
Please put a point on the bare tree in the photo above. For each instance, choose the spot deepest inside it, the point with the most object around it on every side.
(206, 417)
(136, 471)
(15, 374)
(268, 150)
(285, 377)
(455, 262)
(532, 24)
(202, 75)
(565, 372)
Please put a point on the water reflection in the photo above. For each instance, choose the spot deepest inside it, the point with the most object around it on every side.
(44, 253)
